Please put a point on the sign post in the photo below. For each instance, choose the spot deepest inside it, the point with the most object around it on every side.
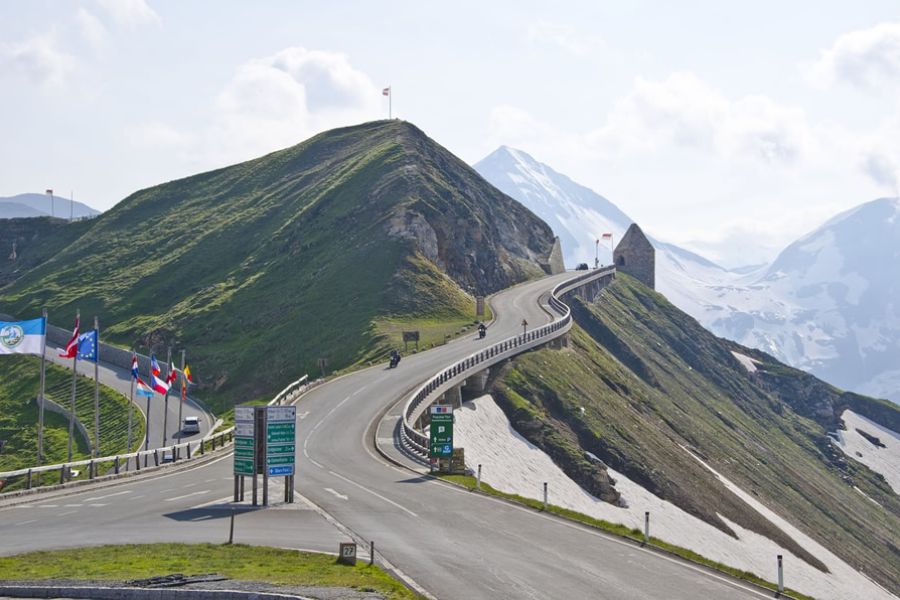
(441, 436)
(281, 446)
(244, 448)
(265, 443)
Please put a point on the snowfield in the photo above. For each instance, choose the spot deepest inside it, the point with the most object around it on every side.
(512, 464)
(885, 461)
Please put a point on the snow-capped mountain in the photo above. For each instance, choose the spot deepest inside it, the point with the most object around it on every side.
(829, 304)
(579, 216)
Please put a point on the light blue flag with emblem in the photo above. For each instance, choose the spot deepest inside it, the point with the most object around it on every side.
(22, 337)
(87, 346)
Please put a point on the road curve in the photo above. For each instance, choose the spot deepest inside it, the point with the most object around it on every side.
(457, 545)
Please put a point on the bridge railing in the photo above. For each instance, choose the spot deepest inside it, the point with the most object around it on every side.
(427, 394)
(178, 452)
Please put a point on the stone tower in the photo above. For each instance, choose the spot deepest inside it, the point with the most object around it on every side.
(636, 256)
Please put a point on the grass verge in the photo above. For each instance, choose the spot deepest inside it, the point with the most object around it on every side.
(247, 563)
(634, 534)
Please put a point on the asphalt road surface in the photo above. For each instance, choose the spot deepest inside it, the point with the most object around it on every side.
(455, 544)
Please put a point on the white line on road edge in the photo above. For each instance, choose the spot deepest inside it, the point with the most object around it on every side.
(706, 571)
(107, 496)
(186, 496)
(339, 495)
(409, 581)
(374, 493)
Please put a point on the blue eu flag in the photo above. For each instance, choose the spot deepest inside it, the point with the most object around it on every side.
(87, 346)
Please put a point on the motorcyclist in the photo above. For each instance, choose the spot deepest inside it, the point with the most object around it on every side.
(482, 330)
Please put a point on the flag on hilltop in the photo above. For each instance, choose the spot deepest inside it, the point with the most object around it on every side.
(606, 236)
(134, 366)
(154, 366)
(386, 91)
(141, 388)
(22, 337)
(71, 350)
(87, 346)
(170, 378)
(187, 374)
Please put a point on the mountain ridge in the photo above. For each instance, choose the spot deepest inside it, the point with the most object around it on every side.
(301, 250)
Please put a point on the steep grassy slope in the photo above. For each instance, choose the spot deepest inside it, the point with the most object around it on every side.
(261, 268)
(19, 387)
(654, 383)
(37, 240)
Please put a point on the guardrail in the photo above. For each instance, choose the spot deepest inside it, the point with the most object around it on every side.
(170, 454)
(415, 441)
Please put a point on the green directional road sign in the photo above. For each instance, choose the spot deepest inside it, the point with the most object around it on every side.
(441, 432)
(281, 440)
(244, 440)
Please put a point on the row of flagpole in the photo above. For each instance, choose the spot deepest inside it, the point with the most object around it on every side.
(30, 337)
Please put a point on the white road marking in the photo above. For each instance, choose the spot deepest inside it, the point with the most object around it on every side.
(303, 415)
(189, 485)
(341, 496)
(138, 496)
(48, 505)
(374, 493)
(100, 505)
(27, 522)
(69, 512)
(72, 506)
(211, 480)
(107, 496)
(201, 492)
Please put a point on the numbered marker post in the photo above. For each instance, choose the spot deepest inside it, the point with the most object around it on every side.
(347, 553)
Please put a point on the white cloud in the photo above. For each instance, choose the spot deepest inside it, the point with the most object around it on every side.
(563, 36)
(92, 29)
(130, 13)
(682, 110)
(867, 58)
(271, 103)
(39, 59)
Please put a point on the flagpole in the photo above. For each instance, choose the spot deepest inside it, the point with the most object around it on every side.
(166, 407)
(131, 409)
(96, 386)
(147, 426)
(183, 391)
(74, 385)
(41, 396)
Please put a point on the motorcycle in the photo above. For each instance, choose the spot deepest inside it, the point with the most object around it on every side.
(482, 331)
(395, 360)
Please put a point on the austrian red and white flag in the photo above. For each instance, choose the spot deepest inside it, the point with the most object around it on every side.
(170, 378)
(386, 91)
(71, 350)
(606, 236)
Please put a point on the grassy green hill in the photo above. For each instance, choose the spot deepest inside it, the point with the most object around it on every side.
(261, 268)
(19, 388)
(652, 382)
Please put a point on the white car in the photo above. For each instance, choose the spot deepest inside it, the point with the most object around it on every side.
(191, 425)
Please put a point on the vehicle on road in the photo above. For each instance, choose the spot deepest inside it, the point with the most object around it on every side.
(191, 425)
(395, 359)
(482, 331)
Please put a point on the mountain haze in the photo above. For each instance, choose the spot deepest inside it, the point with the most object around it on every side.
(39, 205)
(262, 268)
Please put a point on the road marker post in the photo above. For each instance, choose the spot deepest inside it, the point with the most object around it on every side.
(545, 495)
(780, 575)
(231, 529)
(478, 479)
(371, 553)
(646, 527)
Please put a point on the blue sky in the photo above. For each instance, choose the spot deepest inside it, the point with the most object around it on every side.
(731, 129)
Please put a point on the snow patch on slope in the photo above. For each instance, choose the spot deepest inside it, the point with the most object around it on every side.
(885, 461)
(512, 464)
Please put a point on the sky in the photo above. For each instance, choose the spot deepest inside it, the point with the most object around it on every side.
(729, 128)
